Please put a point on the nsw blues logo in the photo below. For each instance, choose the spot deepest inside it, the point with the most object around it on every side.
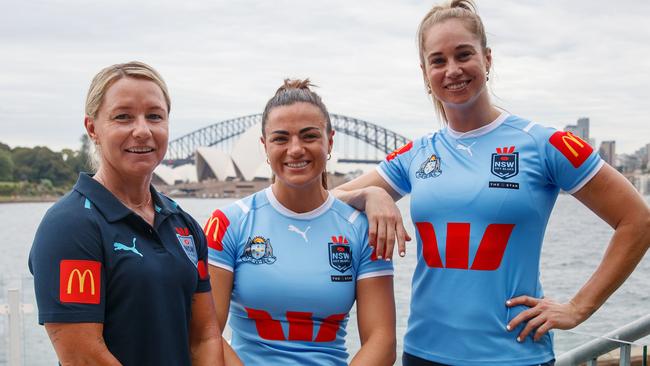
(340, 254)
(505, 163)
(429, 168)
(258, 250)
(187, 243)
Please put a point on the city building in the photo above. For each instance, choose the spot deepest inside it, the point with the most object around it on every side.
(607, 151)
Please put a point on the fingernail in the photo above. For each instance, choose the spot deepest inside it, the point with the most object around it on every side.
(508, 302)
(401, 254)
(519, 339)
(508, 327)
(378, 257)
(387, 259)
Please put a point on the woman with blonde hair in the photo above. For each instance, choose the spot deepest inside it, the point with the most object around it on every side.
(482, 189)
(120, 271)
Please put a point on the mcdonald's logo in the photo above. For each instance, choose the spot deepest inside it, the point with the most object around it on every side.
(571, 146)
(80, 281)
(215, 229)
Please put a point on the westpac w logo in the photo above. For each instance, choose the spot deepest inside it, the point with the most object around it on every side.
(301, 326)
(490, 250)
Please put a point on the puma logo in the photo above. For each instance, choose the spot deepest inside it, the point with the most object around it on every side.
(303, 234)
(466, 148)
(119, 246)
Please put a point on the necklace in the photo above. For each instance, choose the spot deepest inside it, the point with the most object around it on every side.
(133, 207)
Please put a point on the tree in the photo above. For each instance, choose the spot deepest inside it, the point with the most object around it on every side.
(6, 166)
(41, 163)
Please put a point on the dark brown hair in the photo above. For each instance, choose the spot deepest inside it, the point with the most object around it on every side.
(297, 91)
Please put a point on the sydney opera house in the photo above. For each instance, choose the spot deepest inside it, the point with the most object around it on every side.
(241, 170)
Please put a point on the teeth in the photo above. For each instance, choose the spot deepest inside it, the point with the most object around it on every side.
(457, 86)
(297, 165)
(139, 149)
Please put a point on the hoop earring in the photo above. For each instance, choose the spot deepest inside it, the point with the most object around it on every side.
(329, 156)
(267, 160)
(487, 75)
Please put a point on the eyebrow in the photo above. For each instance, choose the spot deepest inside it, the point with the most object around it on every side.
(284, 132)
(459, 47)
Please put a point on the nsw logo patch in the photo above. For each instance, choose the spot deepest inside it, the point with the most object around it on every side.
(340, 254)
(187, 243)
(505, 163)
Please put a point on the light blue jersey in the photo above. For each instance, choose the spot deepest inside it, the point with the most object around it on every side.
(294, 277)
(480, 203)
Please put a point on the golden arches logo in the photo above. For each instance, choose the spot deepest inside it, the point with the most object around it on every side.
(570, 137)
(216, 228)
(82, 280)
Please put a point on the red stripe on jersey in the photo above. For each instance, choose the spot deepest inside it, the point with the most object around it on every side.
(267, 327)
(203, 269)
(492, 246)
(457, 251)
(571, 146)
(329, 327)
(301, 326)
(399, 151)
(429, 244)
(80, 281)
(215, 228)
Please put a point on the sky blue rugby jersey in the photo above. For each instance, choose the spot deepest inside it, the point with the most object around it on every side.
(480, 203)
(294, 277)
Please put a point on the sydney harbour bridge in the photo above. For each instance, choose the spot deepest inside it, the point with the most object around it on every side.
(356, 141)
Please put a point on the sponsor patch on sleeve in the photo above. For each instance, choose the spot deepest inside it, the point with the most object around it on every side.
(80, 281)
(215, 229)
(571, 146)
(399, 151)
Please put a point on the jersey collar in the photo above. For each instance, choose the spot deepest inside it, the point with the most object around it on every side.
(109, 206)
(481, 130)
(296, 215)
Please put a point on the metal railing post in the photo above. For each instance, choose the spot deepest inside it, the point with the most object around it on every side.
(625, 356)
(15, 330)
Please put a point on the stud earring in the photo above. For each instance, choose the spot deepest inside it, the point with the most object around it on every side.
(487, 75)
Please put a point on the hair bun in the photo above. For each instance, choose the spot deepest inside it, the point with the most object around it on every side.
(295, 84)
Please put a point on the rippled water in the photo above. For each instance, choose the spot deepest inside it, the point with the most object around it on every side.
(575, 242)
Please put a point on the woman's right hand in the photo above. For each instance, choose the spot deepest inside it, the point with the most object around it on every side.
(385, 223)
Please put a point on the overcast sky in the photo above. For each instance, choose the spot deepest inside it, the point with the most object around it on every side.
(554, 61)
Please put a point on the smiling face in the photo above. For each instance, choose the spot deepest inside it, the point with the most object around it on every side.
(297, 143)
(455, 64)
(130, 128)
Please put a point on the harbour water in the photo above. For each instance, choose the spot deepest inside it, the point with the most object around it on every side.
(575, 242)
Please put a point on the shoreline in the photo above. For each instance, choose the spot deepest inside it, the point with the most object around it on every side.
(29, 199)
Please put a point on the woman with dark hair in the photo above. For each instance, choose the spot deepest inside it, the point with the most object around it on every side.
(482, 189)
(289, 262)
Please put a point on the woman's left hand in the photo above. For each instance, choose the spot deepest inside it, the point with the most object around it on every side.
(542, 316)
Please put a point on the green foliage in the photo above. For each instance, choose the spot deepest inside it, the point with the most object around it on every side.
(41, 163)
(6, 166)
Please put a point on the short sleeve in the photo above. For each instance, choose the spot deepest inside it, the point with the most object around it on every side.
(571, 162)
(203, 284)
(221, 236)
(66, 260)
(369, 265)
(394, 169)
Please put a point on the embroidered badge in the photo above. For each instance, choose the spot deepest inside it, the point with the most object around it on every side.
(187, 243)
(429, 168)
(258, 251)
(340, 254)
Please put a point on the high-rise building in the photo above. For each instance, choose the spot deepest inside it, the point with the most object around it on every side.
(580, 129)
(608, 151)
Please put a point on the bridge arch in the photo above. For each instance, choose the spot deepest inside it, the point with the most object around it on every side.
(183, 148)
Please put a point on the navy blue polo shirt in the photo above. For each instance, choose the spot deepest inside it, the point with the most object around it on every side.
(95, 261)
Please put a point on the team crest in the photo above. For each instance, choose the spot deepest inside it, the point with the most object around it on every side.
(340, 254)
(187, 243)
(505, 162)
(258, 251)
(429, 168)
